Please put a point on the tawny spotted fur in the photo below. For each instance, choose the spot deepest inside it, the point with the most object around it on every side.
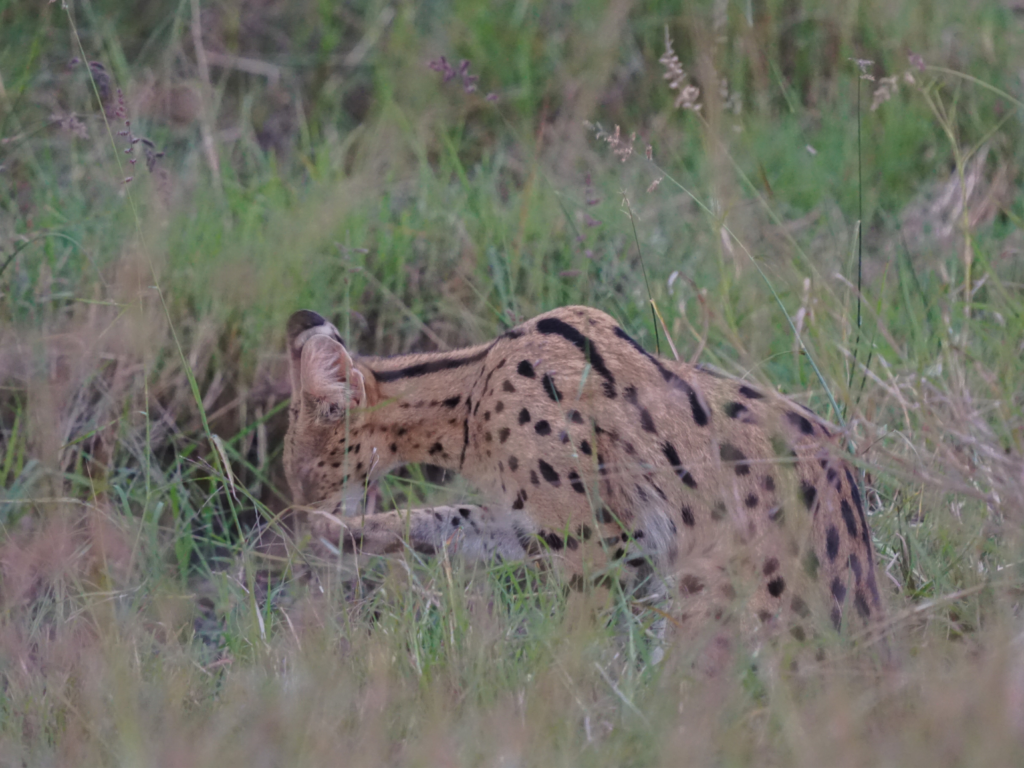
(609, 462)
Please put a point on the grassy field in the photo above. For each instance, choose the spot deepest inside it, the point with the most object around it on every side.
(154, 608)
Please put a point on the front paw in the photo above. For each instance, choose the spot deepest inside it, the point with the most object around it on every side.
(325, 531)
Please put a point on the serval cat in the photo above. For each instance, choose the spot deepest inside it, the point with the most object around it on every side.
(595, 456)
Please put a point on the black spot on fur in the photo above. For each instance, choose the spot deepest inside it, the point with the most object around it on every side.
(533, 478)
(548, 473)
(528, 542)
(855, 493)
(646, 422)
(832, 542)
(575, 417)
(768, 483)
(520, 500)
(465, 440)
(554, 540)
(750, 394)
(513, 463)
(629, 394)
(798, 633)
(673, 458)
(507, 386)
(499, 407)
(837, 617)
(771, 565)
(605, 515)
(585, 447)
(584, 532)
(808, 492)
(524, 416)
(730, 453)
(435, 449)
(735, 410)
(855, 567)
(574, 480)
(800, 422)
(503, 434)
(687, 514)
(550, 388)
(862, 605)
(851, 523)
(776, 586)
(451, 402)
(552, 325)
(542, 428)
(838, 590)
(700, 416)
(751, 500)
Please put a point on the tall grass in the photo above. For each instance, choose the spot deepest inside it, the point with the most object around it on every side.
(157, 604)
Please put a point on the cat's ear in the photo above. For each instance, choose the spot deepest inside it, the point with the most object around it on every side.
(305, 324)
(324, 375)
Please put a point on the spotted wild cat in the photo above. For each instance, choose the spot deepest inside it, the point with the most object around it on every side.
(596, 456)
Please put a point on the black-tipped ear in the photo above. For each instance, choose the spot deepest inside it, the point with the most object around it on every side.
(306, 320)
(303, 320)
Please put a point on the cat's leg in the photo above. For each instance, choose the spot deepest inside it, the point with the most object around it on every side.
(471, 532)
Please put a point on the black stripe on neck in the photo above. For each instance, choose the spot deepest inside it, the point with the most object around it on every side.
(431, 366)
